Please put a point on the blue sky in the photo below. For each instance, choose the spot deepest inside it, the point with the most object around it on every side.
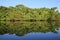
(32, 3)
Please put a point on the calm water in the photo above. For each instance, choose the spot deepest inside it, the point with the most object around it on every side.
(40, 30)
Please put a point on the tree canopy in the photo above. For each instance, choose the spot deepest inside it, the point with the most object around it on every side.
(21, 12)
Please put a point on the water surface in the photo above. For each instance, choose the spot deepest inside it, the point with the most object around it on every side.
(39, 30)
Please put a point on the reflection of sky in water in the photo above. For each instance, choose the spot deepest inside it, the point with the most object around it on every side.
(32, 36)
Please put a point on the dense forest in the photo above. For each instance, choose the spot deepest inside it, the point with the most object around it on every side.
(21, 12)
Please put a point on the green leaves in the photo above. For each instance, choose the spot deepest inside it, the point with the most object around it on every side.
(21, 12)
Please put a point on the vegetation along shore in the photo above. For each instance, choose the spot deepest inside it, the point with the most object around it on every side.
(21, 12)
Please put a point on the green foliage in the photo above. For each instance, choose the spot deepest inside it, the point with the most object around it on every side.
(21, 12)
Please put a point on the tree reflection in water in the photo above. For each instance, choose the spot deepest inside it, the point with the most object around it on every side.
(22, 28)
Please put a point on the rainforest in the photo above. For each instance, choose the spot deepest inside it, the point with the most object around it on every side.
(21, 12)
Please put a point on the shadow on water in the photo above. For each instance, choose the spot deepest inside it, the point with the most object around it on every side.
(21, 28)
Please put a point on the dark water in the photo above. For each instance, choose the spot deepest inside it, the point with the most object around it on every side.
(40, 30)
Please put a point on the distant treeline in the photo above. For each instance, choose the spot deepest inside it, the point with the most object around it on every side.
(21, 12)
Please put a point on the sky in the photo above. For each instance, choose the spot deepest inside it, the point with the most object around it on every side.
(32, 3)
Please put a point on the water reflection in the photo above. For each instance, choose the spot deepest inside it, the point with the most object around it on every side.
(23, 28)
